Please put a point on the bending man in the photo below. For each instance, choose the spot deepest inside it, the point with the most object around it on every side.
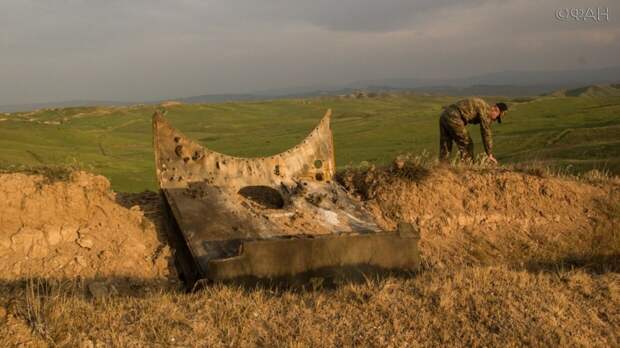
(453, 126)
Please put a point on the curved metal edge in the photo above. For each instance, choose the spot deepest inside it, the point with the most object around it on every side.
(180, 160)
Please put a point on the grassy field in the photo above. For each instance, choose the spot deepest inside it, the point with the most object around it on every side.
(575, 133)
(508, 258)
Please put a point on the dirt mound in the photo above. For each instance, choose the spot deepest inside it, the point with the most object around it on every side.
(493, 216)
(467, 217)
(74, 228)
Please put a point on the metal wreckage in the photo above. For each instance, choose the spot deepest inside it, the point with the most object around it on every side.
(280, 218)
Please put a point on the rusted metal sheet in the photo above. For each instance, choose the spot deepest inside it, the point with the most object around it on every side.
(273, 217)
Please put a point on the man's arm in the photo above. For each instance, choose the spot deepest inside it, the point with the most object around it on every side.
(485, 127)
(487, 136)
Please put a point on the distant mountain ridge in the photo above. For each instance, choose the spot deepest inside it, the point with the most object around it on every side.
(61, 104)
(218, 98)
(504, 83)
(576, 77)
(612, 90)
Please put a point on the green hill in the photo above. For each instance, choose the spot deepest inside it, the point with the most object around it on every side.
(590, 91)
(578, 133)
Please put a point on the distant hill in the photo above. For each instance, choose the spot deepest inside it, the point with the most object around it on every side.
(537, 80)
(219, 98)
(484, 90)
(199, 99)
(612, 90)
(62, 104)
(504, 83)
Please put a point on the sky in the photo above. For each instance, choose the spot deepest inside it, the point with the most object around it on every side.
(138, 50)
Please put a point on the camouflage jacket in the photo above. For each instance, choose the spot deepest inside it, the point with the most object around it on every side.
(476, 110)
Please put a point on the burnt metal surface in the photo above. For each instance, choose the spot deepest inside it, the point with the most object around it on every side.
(269, 217)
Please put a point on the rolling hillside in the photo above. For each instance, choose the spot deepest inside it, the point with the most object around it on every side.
(573, 133)
(612, 90)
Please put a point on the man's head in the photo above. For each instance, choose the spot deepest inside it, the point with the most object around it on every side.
(497, 111)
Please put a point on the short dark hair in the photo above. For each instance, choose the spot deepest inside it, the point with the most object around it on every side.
(502, 106)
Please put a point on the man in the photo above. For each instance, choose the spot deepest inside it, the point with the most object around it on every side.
(455, 118)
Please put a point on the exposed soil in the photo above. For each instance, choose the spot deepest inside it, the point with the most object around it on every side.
(492, 216)
(75, 228)
(80, 228)
(510, 259)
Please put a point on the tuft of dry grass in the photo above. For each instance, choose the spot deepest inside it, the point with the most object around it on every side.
(51, 173)
(544, 170)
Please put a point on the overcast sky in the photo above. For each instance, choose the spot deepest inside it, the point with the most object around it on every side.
(54, 50)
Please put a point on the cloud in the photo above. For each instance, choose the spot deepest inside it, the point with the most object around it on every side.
(357, 15)
(139, 49)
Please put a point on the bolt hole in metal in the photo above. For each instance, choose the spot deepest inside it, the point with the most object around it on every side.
(197, 155)
(178, 150)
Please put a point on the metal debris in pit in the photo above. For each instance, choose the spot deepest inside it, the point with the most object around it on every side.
(272, 218)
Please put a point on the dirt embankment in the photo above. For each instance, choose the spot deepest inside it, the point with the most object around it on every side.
(495, 216)
(80, 228)
(498, 250)
(74, 228)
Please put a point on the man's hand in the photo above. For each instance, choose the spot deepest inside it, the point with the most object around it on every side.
(492, 159)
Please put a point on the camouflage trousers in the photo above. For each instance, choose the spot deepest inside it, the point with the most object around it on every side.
(452, 128)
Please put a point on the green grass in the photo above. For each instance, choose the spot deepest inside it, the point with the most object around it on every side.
(580, 133)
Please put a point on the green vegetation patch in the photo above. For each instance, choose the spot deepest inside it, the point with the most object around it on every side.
(579, 132)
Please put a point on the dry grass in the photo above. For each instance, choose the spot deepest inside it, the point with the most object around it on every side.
(51, 173)
(547, 275)
(478, 306)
